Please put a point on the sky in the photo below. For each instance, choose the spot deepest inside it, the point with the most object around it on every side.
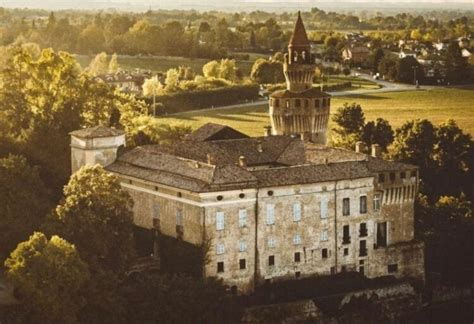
(236, 5)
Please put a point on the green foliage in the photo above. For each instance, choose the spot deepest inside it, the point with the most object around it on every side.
(96, 216)
(446, 228)
(43, 100)
(378, 132)
(99, 65)
(24, 202)
(196, 99)
(265, 72)
(406, 70)
(113, 64)
(388, 68)
(444, 155)
(349, 122)
(48, 275)
(224, 69)
(179, 299)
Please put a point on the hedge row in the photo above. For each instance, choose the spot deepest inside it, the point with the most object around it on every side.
(332, 87)
(200, 99)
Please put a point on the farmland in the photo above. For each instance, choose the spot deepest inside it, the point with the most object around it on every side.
(397, 107)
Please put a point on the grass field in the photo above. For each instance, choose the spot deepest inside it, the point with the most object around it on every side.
(163, 63)
(397, 107)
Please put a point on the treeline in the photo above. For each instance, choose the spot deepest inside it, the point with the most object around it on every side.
(193, 34)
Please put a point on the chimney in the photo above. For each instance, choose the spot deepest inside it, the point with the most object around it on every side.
(242, 161)
(267, 131)
(211, 160)
(360, 147)
(376, 151)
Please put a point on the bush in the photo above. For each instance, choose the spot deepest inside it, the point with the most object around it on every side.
(199, 99)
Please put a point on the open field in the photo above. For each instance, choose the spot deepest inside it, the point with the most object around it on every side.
(436, 105)
(163, 63)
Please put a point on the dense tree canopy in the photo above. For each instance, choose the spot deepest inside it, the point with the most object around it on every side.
(24, 202)
(48, 275)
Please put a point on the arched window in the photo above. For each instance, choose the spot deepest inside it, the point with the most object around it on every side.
(303, 55)
(295, 54)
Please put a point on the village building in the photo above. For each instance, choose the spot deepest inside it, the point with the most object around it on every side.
(276, 207)
(356, 55)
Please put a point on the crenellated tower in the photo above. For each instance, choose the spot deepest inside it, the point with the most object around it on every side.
(301, 109)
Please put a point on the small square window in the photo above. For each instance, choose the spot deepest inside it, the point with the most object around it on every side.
(381, 178)
(242, 246)
(324, 253)
(361, 262)
(346, 207)
(392, 176)
(346, 251)
(324, 235)
(343, 268)
(297, 239)
(271, 242)
(392, 268)
(242, 264)
(297, 274)
(271, 260)
(220, 248)
(220, 267)
(363, 204)
(242, 217)
(297, 257)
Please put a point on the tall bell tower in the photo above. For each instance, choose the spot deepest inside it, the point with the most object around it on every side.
(301, 109)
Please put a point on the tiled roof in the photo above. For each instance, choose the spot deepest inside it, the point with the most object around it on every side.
(211, 131)
(97, 131)
(299, 36)
(271, 161)
(310, 93)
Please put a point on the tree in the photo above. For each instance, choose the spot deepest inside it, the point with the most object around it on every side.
(378, 132)
(172, 79)
(375, 58)
(99, 65)
(265, 72)
(446, 227)
(24, 202)
(152, 87)
(91, 40)
(388, 68)
(211, 69)
(414, 143)
(349, 120)
(48, 275)
(113, 64)
(96, 216)
(57, 100)
(409, 70)
(179, 299)
(456, 65)
(228, 70)
(454, 155)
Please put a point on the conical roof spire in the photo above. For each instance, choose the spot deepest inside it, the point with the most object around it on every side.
(299, 37)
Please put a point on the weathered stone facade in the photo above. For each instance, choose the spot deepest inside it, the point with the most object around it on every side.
(273, 207)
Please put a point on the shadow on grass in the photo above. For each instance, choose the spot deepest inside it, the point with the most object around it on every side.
(364, 96)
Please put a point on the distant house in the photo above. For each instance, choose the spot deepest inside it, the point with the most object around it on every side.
(358, 55)
(130, 82)
(405, 53)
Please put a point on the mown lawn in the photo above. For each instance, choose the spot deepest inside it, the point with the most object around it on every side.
(397, 107)
(161, 63)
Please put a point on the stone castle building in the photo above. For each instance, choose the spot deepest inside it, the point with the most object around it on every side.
(273, 207)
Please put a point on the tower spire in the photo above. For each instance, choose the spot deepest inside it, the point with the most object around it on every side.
(299, 37)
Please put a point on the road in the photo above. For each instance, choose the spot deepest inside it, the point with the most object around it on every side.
(385, 86)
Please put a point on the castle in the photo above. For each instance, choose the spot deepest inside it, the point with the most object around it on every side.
(274, 207)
